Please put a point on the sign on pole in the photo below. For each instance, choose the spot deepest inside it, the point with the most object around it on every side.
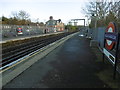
(111, 41)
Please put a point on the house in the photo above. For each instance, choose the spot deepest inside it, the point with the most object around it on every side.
(54, 25)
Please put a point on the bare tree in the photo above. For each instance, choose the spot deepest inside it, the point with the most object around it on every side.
(14, 14)
(23, 15)
(116, 10)
(99, 8)
(102, 11)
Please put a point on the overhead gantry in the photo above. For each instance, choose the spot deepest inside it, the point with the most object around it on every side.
(75, 21)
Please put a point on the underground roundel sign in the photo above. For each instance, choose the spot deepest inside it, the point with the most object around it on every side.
(110, 36)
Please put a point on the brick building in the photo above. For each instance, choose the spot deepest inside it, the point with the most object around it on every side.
(54, 25)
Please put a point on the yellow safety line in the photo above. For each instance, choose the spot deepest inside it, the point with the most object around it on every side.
(21, 61)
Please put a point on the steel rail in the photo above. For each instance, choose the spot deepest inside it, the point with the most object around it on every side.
(23, 52)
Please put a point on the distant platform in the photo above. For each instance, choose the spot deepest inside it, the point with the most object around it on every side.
(26, 37)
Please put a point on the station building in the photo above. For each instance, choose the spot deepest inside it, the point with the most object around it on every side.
(54, 25)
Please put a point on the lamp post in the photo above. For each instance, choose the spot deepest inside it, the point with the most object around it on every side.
(96, 23)
(87, 25)
(94, 16)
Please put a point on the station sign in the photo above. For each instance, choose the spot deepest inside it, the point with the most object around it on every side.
(110, 36)
(109, 56)
(111, 41)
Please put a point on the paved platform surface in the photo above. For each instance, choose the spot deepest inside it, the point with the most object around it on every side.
(71, 65)
(4, 40)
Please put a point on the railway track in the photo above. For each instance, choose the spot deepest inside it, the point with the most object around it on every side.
(12, 55)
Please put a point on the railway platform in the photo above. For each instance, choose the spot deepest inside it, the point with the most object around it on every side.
(4, 40)
(71, 65)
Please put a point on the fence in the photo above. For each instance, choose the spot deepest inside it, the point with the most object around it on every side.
(98, 35)
(10, 30)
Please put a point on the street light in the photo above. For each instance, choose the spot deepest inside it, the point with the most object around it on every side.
(88, 32)
(95, 37)
(87, 20)
(94, 17)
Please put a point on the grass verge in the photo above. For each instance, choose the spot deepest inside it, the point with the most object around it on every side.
(106, 72)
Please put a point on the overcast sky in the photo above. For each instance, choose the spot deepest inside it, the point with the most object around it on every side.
(42, 9)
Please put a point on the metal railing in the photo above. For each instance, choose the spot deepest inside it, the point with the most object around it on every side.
(10, 30)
